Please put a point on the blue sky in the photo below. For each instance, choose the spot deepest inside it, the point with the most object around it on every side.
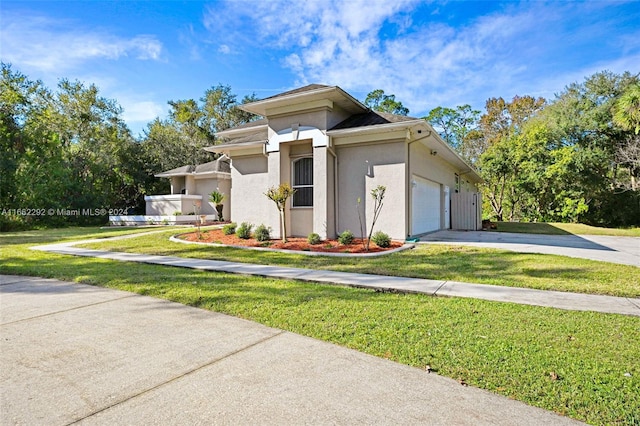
(435, 53)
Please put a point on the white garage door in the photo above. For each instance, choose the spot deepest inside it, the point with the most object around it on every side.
(425, 206)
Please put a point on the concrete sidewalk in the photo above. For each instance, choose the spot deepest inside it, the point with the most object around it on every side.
(554, 299)
(78, 353)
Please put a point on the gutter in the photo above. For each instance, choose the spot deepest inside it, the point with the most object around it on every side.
(375, 128)
(231, 147)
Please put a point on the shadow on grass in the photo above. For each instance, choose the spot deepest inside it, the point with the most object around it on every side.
(192, 287)
(46, 236)
(531, 228)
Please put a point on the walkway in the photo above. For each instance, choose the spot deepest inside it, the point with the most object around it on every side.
(78, 353)
(554, 299)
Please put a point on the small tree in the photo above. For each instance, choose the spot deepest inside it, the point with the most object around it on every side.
(280, 195)
(196, 213)
(217, 198)
(378, 196)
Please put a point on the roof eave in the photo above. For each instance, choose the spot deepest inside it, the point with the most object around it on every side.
(374, 128)
(223, 175)
(235, 131)
(260, 107)
(233, 146)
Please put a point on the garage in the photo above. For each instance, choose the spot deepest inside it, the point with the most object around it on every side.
(425, 205)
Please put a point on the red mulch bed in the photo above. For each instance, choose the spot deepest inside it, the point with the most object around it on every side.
(294, 243)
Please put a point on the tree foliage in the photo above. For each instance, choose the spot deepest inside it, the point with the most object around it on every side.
(575, 158)
(377, 100)
(458, 127)
(190, 127)
(69, 149)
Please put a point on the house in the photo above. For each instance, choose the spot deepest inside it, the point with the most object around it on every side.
(334, 150)
(190, 190)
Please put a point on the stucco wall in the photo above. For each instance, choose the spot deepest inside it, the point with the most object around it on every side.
(249, 182)
(190, 185)
(177, 184)
(301, 221)
(327, 222)
(206, 186)
(362, 168)
(168, 205)
(323, 119)
(434, 168)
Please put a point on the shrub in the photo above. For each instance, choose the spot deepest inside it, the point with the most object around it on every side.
(244, 230)
(381, 239)
(346, 237)
(177, 213)
(262, 233)
(313, 238)
(229, 228)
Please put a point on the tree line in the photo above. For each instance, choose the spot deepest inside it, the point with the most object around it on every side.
(68, 149)
(575, 158)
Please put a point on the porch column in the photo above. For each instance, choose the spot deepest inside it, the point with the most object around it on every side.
(323, 196)
(274, 180)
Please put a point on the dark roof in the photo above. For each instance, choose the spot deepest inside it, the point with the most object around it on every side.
(253, 137)
(184, 170)
(298, 90)
(255, 123)
(219, 165)
(371, 118)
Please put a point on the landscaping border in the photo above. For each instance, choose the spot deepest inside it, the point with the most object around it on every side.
(405, 246)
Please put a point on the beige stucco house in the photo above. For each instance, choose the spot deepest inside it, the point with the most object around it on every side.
(334, 150)
(190, 190)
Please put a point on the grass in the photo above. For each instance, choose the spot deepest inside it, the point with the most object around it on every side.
(565, 229)
(454, 263)
(580, 364)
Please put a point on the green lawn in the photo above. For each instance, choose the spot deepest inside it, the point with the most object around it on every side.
(455, 263)
(564, 229)
(580, 364)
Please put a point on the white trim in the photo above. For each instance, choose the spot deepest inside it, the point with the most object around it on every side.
(318, 138)
(172, 197)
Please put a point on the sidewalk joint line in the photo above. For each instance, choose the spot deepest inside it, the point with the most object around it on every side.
(435, 293)
(634, 302)
(173, 379)
(70, 309)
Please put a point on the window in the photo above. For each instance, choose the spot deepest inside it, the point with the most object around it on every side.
(303, 182)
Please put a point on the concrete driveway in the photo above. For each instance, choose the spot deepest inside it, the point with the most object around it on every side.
(76, 353)
(623, 250)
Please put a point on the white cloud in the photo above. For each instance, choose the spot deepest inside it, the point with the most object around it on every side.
(422, 58)
(224, 49)
(42, 44)
(141, 111)
(138, 111)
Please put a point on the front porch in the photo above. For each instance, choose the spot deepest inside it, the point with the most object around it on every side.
(141, 220)
(173, 205)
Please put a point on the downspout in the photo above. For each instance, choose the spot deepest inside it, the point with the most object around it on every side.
(408, 179)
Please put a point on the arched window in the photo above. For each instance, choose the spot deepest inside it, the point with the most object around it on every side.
(303, 182)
